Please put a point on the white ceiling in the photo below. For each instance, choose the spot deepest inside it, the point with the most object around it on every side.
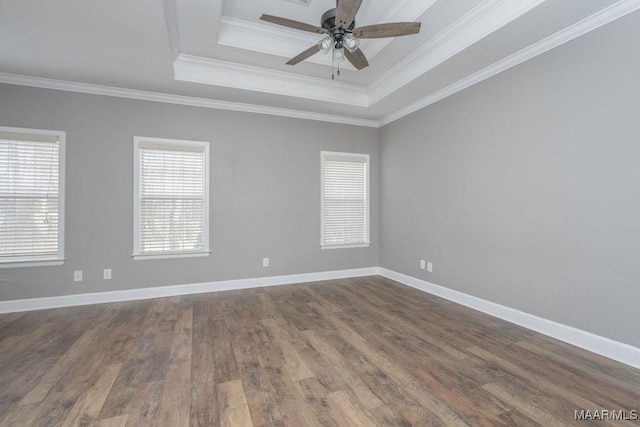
(217, 53)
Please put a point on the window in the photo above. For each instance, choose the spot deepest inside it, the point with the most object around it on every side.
(31, 197)
(345, 200)
(171, 198)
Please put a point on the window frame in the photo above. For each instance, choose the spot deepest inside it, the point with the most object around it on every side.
(140, 142)
(44, 260)
(367, 218)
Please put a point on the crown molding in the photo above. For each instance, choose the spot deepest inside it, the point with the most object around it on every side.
(406, 10)
(400, 11)
(596, 20)
(228, 74)
(590, 23)
(171, 21)
(39, 82)
(484, 19)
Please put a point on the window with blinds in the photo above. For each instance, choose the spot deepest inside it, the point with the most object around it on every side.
(31, 196)
(172, 198)
(345, 200)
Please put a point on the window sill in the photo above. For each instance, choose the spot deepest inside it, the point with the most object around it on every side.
(139, 257)
(355, 245)
(32, 263)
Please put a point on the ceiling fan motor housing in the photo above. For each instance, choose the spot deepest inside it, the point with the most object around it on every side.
(328, 22)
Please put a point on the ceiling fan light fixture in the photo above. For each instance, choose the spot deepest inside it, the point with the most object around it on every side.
(325, 45)
(338, 26)
(350, 43)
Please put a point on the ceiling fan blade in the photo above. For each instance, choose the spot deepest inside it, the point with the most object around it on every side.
(346, 13)
(357, 58)
(293, 24)
(304, 55)
(393, 29)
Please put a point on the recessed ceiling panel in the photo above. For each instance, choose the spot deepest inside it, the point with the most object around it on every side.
(219, 53)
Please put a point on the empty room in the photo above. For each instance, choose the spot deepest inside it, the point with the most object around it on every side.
(319, 213)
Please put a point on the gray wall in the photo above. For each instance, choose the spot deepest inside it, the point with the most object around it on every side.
(525, 189)
(265, 191)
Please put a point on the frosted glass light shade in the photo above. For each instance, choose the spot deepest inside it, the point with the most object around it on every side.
(351, 43)
(325, 45)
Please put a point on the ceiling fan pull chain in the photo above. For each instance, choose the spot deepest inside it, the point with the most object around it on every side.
(333, 60)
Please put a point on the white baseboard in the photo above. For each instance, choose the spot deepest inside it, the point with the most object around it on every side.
(169, 291)
(606, 347)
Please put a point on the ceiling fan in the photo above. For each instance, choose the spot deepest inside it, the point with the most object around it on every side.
(342, 34)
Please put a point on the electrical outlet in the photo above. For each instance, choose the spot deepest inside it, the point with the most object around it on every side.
(265, 262)
(430, 267)
(107, 274)
(422, 264)
(77, 276)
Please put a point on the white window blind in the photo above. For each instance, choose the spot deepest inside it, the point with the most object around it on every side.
(345, 200)
(172, 197)
(31, 188)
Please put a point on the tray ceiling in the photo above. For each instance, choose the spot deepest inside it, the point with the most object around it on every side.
(218, 54)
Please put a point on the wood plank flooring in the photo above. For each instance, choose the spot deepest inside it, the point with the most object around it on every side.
(353, 352)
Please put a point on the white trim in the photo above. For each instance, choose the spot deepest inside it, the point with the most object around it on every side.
(176, 290)
(367, 219)
(592, 22)
(57, 134)
(606, 347)
(359, 245)
(32, 263)
(40, 261)
(140, 142)
(19, 80)
(140, 257)
(214, 72)
(484, 19)
(173, 32)
(615, 350)
(400, 11)
(62, 170)
(481, 21)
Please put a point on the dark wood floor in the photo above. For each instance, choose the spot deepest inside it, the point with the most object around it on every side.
(347, 352)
